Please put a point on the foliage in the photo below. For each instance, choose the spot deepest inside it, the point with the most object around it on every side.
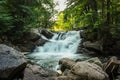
(60, 25)
(19, 16)
(100, 17)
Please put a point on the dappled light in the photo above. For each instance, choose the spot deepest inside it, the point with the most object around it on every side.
(57, 29)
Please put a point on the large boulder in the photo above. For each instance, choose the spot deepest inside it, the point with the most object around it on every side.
(36, 72)
(31, 36)
(96, 61)
(97, 46)
(12, 63)
(89, 71)
(27, 46)
(30, 41)
(40, 42)
(66, 63)
(29, 75)
(46, 33)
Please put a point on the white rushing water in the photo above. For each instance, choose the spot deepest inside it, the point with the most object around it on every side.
(62, 45)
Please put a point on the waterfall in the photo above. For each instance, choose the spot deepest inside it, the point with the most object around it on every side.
(62, 45)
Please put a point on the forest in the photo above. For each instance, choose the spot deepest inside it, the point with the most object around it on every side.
(18, 17)
(100, 18)
(84, 38)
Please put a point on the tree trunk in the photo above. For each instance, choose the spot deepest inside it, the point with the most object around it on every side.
(103, 6)
(94, 8)
(108, 12)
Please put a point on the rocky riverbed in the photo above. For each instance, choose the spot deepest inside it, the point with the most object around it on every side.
(91, 69)
(15, 65)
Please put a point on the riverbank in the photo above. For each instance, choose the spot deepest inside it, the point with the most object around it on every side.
(107, 46)
(91, 69)
(32, 39)
(16, 66)
(33, 71)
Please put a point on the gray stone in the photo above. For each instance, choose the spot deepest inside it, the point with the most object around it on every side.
(29, 42)
(12, 62)
(46, 33)
(93, 45)
(38, 70)
(95, 60)
(29, 75)
(66, 63)
(89, 71)
(31, 36)
(40, 42)
(65, 78)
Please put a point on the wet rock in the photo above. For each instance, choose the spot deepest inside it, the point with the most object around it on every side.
(31, 41)
(28, 46)
(82, 50)
(40, 42)
(97, 46)
(85, 70)
(89, 71)
(46, 33)
(38, 70)
(12, 63)
(83, 34)
(66, 63)
(59, 72)
(31, 36)
(66, 72)
(70, 77)
(60, 78)
(61, 35)
(67, 78)
(29, 75)
(96, 61)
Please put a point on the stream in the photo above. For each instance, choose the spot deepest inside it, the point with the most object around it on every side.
(61, 45)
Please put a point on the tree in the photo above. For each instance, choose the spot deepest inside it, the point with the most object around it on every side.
(99, 16)
(19, 16)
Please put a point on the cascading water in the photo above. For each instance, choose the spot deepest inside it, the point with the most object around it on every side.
(62, 45)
